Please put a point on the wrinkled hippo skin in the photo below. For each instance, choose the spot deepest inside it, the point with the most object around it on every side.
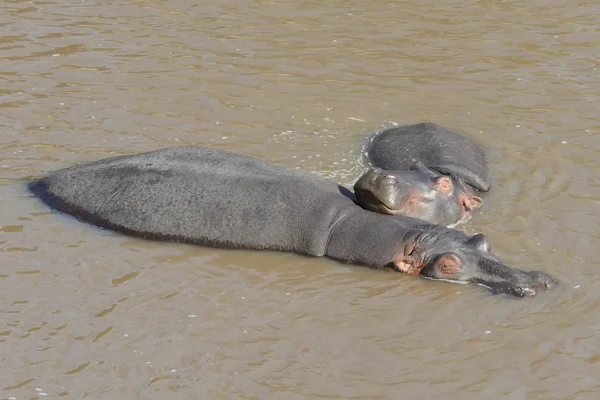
(419, 193)
(216, 198)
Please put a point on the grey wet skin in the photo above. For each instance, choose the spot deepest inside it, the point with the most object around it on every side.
(216, 198)
(419, 192)
(444, 151)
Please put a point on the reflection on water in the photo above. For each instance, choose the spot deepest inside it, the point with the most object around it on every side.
(90, 314)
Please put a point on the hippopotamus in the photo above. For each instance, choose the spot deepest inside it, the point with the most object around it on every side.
(204, 196)
(424, 171)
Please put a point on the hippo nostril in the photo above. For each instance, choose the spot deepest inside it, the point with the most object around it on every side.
(528, 292)
(544, 280)
(549, 284)
(520, 291)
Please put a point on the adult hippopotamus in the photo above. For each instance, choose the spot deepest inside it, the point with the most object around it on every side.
(217, 198)
(425, 171)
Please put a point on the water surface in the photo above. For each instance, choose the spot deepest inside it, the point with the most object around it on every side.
(87, 313)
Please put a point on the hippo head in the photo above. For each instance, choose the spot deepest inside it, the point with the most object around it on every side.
(469, 261)
(419, 192)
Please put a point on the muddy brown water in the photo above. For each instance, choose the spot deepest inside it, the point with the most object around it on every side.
(89, 314)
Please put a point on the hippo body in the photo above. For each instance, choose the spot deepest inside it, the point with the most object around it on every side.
(217, 198)
(204, 196)
(424, 171)
(437, 148)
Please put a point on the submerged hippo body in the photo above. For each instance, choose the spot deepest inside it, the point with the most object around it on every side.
(216, 198)
(434, 155)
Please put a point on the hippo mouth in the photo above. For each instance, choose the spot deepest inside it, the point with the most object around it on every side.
(517, 291)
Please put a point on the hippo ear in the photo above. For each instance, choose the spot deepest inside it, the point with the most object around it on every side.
(480, 242)
(471, 203)
(443, 184)
(408, 264)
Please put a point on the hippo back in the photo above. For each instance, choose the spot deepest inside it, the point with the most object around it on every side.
(439, 149)
(200, 195)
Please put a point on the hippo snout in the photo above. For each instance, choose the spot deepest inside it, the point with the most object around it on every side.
(528, 284)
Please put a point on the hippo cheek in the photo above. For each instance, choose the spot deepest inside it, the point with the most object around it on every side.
(416, 208)
(410, 265)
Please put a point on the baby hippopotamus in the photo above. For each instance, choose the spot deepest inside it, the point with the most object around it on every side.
(216, 198)
(423, 171)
